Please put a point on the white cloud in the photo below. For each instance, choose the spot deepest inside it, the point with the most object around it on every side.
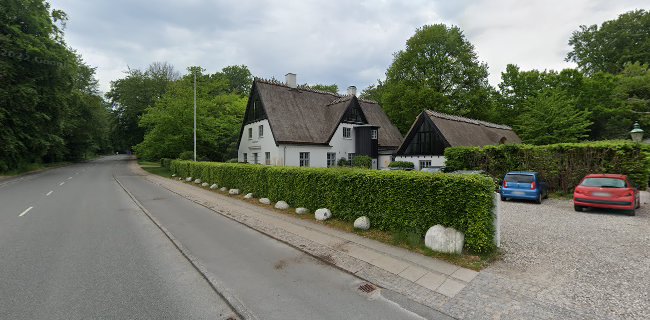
(347, 43)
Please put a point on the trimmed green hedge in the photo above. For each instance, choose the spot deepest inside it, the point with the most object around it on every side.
(562, 165)
(401, 164)
(393, 200)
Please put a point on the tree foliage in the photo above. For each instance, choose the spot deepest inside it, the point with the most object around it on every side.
(552, 117)
(333, 88)
(49, 106)
(438, 70)
(617, 42)
(169, 122)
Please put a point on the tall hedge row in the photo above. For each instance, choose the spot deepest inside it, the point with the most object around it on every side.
(562, 165)
(393, 200)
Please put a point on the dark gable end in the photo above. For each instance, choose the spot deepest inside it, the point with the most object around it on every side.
(255, 111)
(453, 131)
(305, 116)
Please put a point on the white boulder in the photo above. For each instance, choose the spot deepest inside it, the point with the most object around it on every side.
(248, 196)
(302, 210)
(223, 189)
(322, 214)
(179, 178)
(214, 186)
(174, 175)
(362, 223)
(265, 201)
(233, 192)
(197, 181)
(188, 179)
(281, 205)
(441, 239)
(205, 184)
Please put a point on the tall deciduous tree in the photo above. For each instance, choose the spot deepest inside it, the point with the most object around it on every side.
(552, 117)
(438, 70)
(168, 124)
(615, 43)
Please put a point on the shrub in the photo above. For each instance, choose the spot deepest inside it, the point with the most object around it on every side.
(562, 165)
(393, 200)
(186, 155)
(165, 162)
(343, 162)
(401, 164)
(362, 162)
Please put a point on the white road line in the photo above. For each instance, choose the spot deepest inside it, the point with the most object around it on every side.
(61, 183)
(24, 212)
(69, 178)
(49, 193)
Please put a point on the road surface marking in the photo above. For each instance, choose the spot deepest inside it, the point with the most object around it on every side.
(69, 178)
(24, 212)
(61, 183)
(49, 193)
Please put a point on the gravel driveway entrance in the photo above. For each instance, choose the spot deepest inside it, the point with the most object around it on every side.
(558, 263)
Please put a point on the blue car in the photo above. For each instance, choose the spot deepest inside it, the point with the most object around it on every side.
(524, 185)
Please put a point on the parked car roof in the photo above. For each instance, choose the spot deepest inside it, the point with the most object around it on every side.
(522, 172)
(606, 175)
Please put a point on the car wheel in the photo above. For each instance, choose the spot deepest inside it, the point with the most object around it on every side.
(638, 204)
(631, 213)
(503, 198)
(578, 208)
(539, 199)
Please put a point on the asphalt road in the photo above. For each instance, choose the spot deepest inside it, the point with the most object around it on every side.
(87, 251)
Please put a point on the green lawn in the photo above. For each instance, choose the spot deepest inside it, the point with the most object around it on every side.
(155, 168)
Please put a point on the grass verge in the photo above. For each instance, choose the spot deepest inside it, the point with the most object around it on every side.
(404, 239)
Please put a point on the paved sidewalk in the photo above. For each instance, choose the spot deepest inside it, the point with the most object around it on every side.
(429, 281)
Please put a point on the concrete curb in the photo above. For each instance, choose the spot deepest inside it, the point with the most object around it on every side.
(231, 299)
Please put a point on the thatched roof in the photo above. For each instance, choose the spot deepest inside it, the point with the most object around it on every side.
(461, 131)
(305, 116)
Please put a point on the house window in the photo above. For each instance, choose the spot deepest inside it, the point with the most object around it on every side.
(267, 156)
(245, 157)
(261, 131)
(250, 133)
(347, 132)
(425, 163)
(373, 134)
(304, 159)
(350, 156)
(255, 158)
(331, 159)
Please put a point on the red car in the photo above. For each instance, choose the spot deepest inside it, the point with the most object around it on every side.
(607, 191)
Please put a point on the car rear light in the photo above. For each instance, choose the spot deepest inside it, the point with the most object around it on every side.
(505, 184)
(532, 185)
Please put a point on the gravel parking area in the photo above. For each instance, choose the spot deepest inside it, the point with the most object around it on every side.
(595, 263)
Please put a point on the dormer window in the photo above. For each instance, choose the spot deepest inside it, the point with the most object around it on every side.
(373, 134)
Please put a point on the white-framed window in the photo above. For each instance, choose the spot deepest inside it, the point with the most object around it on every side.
(351, 156)
(304, 159)
(347, 132)
(267, 158)
(250, 133)
(245, 157)
(261, 131)
(373, 134)
(256, 159)
(425, 163)
(331, 159)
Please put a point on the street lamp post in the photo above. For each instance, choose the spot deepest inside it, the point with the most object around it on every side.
(636, 133)
(195, 116)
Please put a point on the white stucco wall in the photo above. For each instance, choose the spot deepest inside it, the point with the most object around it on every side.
(259, 145)
(289, 154)
(435, 160)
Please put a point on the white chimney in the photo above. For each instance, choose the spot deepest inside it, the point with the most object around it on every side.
(291, 80)
(352, 91)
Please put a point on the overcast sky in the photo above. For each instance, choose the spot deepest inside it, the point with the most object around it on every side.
(329, 41)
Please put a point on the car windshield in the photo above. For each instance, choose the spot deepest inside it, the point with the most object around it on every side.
(604, 183)
(519, 178)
